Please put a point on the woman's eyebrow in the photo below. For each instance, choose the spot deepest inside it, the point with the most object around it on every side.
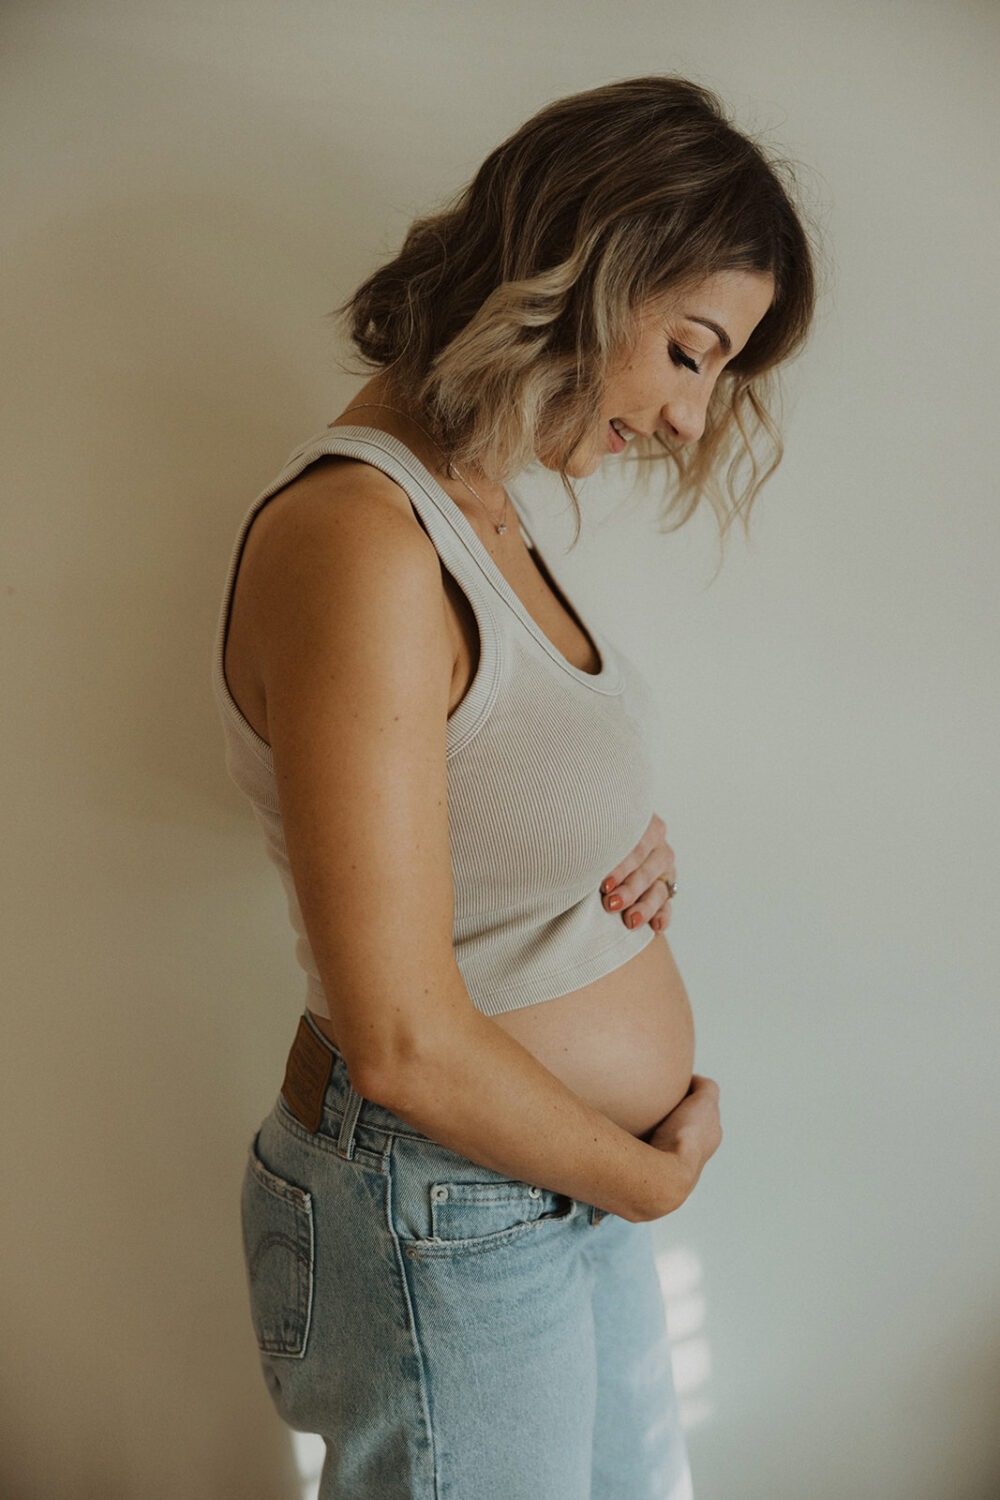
(720, 333)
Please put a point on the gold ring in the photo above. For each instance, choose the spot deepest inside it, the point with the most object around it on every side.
(671, 886)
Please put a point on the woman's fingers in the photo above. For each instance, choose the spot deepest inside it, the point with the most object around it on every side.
(653, 903)
(655, 834)
(644, 893)
(660, 920)
(636, 888)
(621, 875)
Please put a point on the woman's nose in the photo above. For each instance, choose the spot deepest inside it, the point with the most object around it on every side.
(685, 418)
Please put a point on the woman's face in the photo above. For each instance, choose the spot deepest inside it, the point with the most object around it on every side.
(663, 382)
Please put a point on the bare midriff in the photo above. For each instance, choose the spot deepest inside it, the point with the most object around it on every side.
(625, 1043)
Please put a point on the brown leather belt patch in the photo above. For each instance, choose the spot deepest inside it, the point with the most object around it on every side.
(307, 1074)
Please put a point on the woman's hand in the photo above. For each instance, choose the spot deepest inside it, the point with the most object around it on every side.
(636, 888)
(693, 1131)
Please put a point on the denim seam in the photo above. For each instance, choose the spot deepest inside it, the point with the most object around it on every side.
(415, 1338)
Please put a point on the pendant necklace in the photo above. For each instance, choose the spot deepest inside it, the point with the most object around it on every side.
(500, 527)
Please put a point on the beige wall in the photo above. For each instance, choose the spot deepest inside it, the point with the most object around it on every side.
(191, 186)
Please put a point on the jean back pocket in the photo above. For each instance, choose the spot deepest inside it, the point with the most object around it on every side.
(278, 1247)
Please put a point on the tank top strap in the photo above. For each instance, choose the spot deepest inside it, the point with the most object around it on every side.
(454, 539)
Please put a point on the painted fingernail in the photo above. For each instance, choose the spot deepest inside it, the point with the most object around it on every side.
(615, 903)
(607, 886)
(634, 918)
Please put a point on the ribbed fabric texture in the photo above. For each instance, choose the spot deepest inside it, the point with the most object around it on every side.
(549, 780)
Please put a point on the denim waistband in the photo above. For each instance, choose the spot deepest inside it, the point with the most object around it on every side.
(343, 1102)
(350, 1111)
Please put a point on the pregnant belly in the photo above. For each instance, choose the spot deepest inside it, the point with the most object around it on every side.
(625, 1043)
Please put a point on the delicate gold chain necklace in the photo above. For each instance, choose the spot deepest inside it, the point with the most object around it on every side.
(500, 526)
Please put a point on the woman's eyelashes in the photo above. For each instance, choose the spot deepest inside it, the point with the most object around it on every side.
(680, 358)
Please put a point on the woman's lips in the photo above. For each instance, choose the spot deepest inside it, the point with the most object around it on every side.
(616, 442)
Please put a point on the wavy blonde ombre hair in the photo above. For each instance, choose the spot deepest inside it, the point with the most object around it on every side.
(500, 314)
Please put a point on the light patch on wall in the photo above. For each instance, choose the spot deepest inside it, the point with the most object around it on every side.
(681, 1276)
(310, 1451)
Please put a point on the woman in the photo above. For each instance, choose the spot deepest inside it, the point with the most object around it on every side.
(491, 1092)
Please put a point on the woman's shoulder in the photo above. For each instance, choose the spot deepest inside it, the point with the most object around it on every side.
(336, 514)
(336, 550)
(335, 492)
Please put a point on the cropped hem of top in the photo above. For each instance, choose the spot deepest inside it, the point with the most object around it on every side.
(549, 778)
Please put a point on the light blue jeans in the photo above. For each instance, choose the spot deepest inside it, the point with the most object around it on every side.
(452, 1334)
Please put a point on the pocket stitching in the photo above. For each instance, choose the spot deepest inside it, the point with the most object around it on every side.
(475, 1194)
(279, 1186)
(303, 1249)
(483, 1244)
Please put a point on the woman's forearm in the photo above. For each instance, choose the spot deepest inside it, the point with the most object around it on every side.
(476, 1090)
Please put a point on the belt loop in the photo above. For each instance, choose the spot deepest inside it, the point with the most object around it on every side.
(345, 1141)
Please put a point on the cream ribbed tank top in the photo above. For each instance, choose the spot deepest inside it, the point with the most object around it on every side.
(549, 778)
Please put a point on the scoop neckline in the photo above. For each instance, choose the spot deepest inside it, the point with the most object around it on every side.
(607, 679)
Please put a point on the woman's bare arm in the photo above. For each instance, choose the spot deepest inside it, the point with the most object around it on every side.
(347, 629)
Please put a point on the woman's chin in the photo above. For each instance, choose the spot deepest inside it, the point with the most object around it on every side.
(580, 465)
(584, 470)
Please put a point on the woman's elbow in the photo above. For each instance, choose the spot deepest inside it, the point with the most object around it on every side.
(394, 1072)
